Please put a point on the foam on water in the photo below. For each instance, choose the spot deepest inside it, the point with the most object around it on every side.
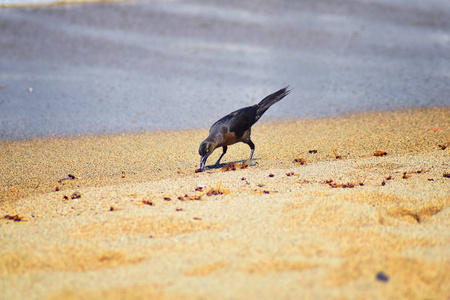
(14, 3)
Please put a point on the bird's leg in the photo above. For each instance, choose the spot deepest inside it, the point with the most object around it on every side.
(252, 147)
(225, 148)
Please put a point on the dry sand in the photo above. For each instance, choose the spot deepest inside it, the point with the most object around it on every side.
(325, 231)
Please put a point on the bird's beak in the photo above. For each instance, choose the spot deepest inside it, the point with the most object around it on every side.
(203, 162)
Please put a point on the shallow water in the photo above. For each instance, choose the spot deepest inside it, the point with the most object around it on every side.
(150, 65)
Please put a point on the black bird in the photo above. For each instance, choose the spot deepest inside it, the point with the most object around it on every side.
(236, 127)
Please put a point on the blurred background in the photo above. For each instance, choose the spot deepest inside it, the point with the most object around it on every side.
(117, 67)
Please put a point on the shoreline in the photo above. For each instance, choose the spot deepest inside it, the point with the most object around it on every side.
(266, 119)
(342, 222)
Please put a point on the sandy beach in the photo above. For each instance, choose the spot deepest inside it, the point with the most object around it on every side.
(349, 197)
(319, 216)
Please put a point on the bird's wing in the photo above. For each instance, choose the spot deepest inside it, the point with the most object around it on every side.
(241, 120)
(237, 122)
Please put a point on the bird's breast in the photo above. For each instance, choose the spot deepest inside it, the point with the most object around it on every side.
(230, 138)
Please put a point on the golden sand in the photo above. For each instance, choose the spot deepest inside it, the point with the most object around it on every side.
(321, 214)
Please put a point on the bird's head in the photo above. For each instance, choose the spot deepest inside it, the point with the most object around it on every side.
(205, 150)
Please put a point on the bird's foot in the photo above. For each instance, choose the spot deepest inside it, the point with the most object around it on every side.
(246, 164)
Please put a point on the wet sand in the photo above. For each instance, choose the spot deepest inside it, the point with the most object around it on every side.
(134, 220)
(108, 68)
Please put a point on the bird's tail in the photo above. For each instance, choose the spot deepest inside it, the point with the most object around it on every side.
(270, 100)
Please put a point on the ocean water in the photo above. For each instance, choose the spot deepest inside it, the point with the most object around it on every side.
(115, 67)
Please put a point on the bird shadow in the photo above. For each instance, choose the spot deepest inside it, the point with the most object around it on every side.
(221, 165)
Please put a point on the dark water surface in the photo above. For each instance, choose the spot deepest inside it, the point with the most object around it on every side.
(150, 65)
